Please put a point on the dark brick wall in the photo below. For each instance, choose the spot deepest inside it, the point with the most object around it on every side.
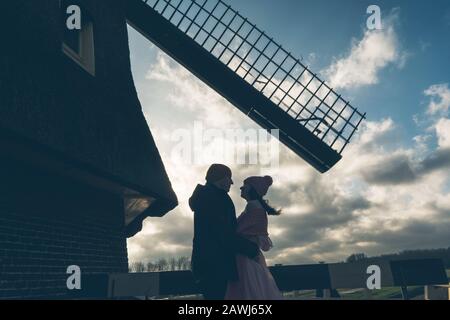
(35, 253)
(47, 223)
(48, 98)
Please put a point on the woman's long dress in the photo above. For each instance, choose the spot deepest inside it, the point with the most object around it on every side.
(255, 280)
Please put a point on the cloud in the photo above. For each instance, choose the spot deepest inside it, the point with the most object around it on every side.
(443, 132)
(437, 125)
(313, 209)
(440, 98)
(367, 57)
(188, 93)
(401, 169)
(166, 237)
(378, 199)
(424, 45)
(440, 159)
(383, 196)
(395, 170)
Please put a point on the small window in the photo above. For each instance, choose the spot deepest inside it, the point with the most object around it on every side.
(79, 44)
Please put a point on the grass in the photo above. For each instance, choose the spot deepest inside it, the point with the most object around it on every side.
(386, 294)
(391, 293)
(360, 294)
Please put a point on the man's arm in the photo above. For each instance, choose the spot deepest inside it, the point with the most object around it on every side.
(229, 238)
(245, 246)
(216, 218)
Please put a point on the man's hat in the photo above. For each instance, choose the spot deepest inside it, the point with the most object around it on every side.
(217, 172)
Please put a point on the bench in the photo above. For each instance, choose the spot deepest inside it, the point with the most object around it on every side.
(394, 273)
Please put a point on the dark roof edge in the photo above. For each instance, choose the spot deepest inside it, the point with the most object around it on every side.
(16, 146)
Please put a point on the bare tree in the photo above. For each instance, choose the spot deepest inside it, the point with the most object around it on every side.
(162, 264)
(183, 263)
(151, 267)
(137, 267)
(172, 264)
(187, 264)
(180, 263)
(356, 257)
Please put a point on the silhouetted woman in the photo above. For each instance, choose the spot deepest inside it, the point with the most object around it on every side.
(255, 280)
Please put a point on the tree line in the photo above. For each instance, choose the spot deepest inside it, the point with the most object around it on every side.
(442, 253)
(163, 264)
(184, 263)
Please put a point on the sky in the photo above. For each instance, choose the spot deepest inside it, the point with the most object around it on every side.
(391, 190)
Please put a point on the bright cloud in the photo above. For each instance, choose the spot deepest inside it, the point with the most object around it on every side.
(443, 132)
(440, 98)
(381, 197)
(189, 93)
(367, 57)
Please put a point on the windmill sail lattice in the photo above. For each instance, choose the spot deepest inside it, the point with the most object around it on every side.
(253, 72)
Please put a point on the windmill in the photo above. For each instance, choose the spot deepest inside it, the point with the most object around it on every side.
(253, 72)
(75, 142)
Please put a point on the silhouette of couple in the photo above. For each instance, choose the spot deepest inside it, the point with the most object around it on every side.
(227, 261)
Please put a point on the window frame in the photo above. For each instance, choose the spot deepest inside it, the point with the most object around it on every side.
(86, 57)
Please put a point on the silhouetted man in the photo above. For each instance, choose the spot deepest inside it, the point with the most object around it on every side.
(215, 241)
